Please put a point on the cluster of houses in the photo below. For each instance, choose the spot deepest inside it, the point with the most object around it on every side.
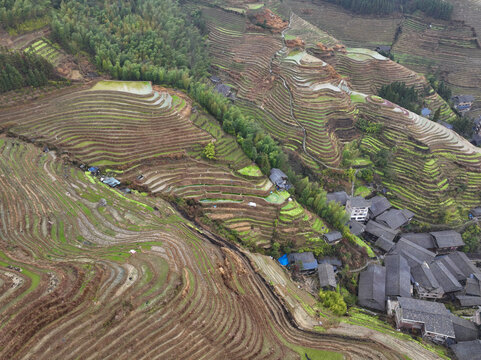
(419, 272)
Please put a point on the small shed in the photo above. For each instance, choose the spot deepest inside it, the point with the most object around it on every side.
(110, 181)
(447, 240)
(475, 213)
(333, 237)
(279, 179)
(425, 112)
(306, 260)
(327, 278)
(335, 262)
(468, 301)
(356, 227)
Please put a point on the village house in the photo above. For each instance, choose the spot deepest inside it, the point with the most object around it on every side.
(425, 284)
(305, 261)
(357, 207)
(414, 254)
(447, 241)
(377, 230)
(327, 278)
(398, 276)
(372, 288)
(463, 103)
(445, 278)
(424, 240)
(431, 319)
(395, 218)
(379, 204)
(333, 237)
(279, 179)
(467, 350)
(356, 227)
(384, 244)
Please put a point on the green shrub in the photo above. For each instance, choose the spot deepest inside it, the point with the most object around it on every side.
(333, 301)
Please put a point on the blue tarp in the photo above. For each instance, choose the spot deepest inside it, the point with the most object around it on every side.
(425, 112)
(283, 260)
(110, 181)
(93, 169)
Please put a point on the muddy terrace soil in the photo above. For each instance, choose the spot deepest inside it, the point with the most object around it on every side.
(75, 289)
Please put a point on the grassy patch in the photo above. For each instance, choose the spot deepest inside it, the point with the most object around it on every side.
(251, 170)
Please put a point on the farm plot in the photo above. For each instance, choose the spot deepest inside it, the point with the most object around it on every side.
(154, 140)
(44, 48)
(428, 163)
(83, 278)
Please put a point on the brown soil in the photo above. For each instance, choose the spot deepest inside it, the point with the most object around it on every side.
(266, 18)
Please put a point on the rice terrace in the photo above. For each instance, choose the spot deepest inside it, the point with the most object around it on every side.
(240, 179)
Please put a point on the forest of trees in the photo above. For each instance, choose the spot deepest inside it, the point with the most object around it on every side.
(440, 9)
(124, 37)
(14, 12)
(405, 96)
(18, 69)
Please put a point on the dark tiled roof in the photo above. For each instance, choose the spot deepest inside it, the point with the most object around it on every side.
(278, 178)
(330, 260)
(358, 202)
(465, 330)
(415, 251)
(424, 240)
(423, 275)
(473, 287)
(384, 244)
(379, 204)
(462, 98)
(378, 230)
(467, 350)
(444, 277)
(476, 211)
(339, 196)
(463, 263)
(395, 218)
(372, 287)
(333, 236)
(398, 277)
(305, 260)
(447, 238)
(468, 301)
(435, 316)
(326, 275)
(452, 267)
(356, 227)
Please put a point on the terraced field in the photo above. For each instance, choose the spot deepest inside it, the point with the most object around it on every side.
(322, 91)
(154, 140)
(44, 48)
(90, 279)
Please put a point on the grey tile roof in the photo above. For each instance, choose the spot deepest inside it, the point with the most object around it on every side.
(279, 178)
(435, 316)
(462, 98)
(305, 260)
(468, 301)
(415, 251)
(444, 277)
(358, 202)
(465, 330)
(395, 218)
(339, 197)
(326, 275)
(372, 287)
(379, 204)
(330, 260)
(398, 276)
(424, 240)
(384, 244)
(476, 211)
(423, 275)
(356, 227)
(463, 263)
(376, 229)
(447, 238)
(452, 267)
(467, 350)
(473, 287)
(333, 236)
